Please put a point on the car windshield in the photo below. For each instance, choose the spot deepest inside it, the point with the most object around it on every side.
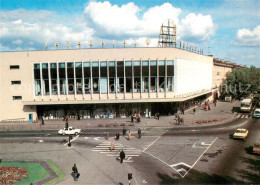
(240, 131)
(257, 112)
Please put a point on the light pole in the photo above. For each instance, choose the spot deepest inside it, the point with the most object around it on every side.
(57, 45)
(148, 42)
(124, 43)
(79, 44)
(102, 43)
(113, 41)
(46, 45)
(90, 43)
(68, 44)
(135, 43)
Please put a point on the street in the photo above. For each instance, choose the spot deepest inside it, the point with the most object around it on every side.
(176, 153)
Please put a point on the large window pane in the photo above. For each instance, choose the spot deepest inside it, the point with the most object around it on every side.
(45, 77)
(70, 74)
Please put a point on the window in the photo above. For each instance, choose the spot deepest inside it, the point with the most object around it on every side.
(15, 82)
(14, 67)
(17, 97)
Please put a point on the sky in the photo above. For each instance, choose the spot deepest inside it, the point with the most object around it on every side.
(226, 29)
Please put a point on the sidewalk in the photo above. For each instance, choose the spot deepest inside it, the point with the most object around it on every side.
(218, 114)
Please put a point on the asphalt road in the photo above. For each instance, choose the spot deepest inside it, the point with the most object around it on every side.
(172, 152)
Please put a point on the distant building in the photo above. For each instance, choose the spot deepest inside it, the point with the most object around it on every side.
(220, 69)
(104, 82)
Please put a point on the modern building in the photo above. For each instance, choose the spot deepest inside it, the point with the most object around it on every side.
(101, 82)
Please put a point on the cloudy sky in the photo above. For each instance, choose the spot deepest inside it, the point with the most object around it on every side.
(228, 29)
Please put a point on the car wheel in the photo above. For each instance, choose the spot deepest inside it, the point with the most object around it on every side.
(76, 133)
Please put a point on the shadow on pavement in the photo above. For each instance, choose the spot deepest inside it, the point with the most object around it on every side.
(195, 177)
(251, 172)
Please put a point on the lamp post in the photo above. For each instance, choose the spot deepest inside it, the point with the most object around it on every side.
(46, 45)
(113, 41)
(57, 45)
(102, 43)
(148, 42)
(124, 43)
(90, 43)
(78, 44)
(68, 44)
(135, 43)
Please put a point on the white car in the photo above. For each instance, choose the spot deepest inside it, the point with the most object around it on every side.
(69, 131)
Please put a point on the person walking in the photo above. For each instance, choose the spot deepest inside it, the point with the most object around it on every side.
(122, 156)
(158, 115)
(75, 172)
(194, 110)
(132, 118)
(129, 135)
(139, 133)
(112, 146)
(124, 131)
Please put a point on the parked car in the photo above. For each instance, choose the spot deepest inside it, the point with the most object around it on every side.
(240, 133)
(228, 98)
(69, 131)
(256, 113)
(256, 148)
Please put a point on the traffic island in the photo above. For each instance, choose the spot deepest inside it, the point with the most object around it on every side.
(35, 172)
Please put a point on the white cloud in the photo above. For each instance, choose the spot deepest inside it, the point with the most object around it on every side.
(124, 20)
(99, 21)
(17, 42)
(21, 28)
(199, 27)
(246, 37)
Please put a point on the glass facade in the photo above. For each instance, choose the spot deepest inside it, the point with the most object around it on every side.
(103, 77)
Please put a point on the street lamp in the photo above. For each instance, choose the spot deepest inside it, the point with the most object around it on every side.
(57, 45)
(148, 42)
(46, 44)
(113, 41)
(68, 44)
(79, 44)
(124, 43)
(102, 43)
(90, 43)
(135, 43)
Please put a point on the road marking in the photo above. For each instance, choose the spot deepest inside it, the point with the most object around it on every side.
(203, 145)
(241, 124)
(144, 182)
(151, 144)
(96, 138)
(162, 162)
(86, 137)
(72, 140)
(40, 141)
(200, 156)
(195, 130)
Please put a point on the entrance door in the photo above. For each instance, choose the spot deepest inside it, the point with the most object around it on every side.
(30, 117)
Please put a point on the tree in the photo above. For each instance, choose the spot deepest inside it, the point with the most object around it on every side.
(241, 82)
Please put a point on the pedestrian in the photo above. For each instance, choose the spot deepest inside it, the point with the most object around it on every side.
(208, 107)
(42, 120)
(122, 156)
(215, 103)
(194, 110)
(129, 135)
(75, 172)
(112, 145)
(139, 133)
(158, 115)
(124, 131)
(182, 110)
(132, 118)
(117, 136)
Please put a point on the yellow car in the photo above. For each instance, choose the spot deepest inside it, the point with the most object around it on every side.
(240, 133)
